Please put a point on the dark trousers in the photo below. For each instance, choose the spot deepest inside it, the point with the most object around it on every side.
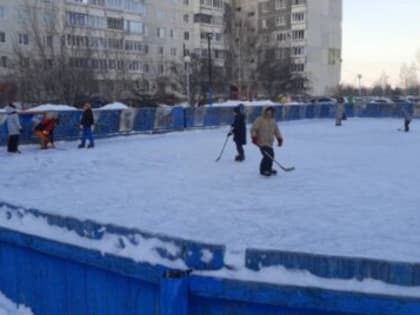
(266, 164)
(12, 144)
(87, 134)
(407, 125)
(240, 149)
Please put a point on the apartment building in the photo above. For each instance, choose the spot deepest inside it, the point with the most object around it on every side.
(144, 40)
(310, 32)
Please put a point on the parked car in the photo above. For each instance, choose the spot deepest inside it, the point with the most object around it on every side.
(380, 100)
(324, 100)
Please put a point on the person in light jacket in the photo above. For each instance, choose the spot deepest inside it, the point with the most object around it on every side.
(263, 132)
(14, 128)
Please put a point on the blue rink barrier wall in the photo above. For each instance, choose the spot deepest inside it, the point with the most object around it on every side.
(54, 278)
(152, 120)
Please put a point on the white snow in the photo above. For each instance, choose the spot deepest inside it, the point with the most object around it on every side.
(51, 107)
(282, 276)
(7, 307)
(137, 247)
(232, 103)
(114, 106)
(354, 191)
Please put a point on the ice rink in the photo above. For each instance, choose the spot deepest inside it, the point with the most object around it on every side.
(355, 191)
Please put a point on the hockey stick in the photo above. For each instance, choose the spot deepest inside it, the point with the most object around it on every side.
(223, 149)
(283, 168)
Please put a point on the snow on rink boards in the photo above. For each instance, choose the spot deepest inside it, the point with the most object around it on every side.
(354, 192)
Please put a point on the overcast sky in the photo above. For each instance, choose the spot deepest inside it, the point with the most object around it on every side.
(379, 36)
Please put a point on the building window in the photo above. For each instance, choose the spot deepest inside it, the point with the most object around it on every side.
(160, 32)
(334, 56)
(282, 37)
(298, 67)
(280, 4)
(3, 61)
(264, 23)
(280, 20)
(161, 50)
(298, 35)
(265, 6)
(2, 37)
(298, 51)
(186, 36)
(186, 18)
(23, 39)
(2, 11)
(298, 17)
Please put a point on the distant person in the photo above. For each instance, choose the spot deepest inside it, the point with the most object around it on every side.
(45, 131)
(87, 125)
(239, 132)
(14, 128)
(340, 111)
(263, 132)
(407, 116)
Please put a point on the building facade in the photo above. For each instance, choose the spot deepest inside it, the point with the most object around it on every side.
(310, 31)
(138, 40)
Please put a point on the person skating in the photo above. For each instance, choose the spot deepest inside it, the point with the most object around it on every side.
(239, 132)
(263, 132)
(45, 131)
(407, 117)
(340, 114)
(14, 128)
(87, 125)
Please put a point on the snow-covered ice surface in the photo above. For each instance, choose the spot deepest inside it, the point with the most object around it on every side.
(355, 191)
(7, 307)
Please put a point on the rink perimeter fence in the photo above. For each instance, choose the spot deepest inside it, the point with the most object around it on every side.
(167, 119)
(57, 277)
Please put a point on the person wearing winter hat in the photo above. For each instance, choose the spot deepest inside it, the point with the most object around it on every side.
(14, 128)
(87, 125)
(239, 132)
(263, 132)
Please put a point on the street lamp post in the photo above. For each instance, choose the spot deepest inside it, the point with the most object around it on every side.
(359, 77)
(210, 89)
(187, 60)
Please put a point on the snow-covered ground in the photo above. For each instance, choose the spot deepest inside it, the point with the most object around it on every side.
(7, 307)
(354, 192)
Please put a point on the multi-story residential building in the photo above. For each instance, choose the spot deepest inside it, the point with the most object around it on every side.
(138, 40)
(310, 32)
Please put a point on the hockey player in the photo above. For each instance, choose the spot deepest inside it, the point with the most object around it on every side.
(239, 132)
(87, 125)
(14, 128)
(340, 111)
(45, 131)
(263, 132)
(407, 117)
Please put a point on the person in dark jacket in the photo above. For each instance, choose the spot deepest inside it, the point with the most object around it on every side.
(87, 125)
(239, 132)
(405, 111)
(14, 128)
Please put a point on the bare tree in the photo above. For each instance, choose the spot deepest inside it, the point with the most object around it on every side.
(409, 79)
